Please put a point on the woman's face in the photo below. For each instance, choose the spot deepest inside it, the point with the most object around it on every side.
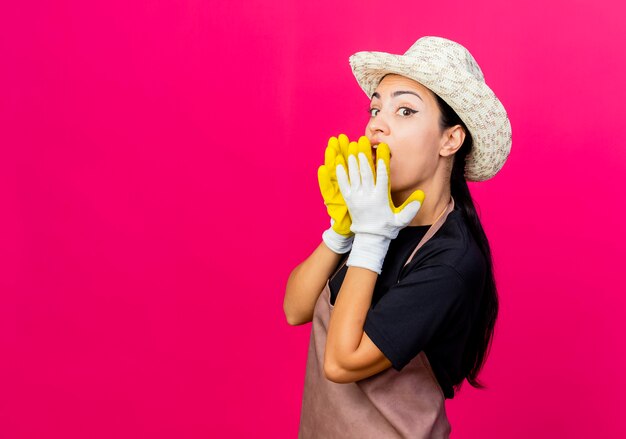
(404, 114)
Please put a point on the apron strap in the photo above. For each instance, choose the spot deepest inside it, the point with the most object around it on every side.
(433, 229)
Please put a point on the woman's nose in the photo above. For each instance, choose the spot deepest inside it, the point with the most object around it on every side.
(378, 125)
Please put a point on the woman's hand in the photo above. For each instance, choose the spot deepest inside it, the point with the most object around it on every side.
(375, 220)
(339, 236)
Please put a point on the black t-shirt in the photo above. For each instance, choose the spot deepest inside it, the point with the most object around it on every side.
(430, 304)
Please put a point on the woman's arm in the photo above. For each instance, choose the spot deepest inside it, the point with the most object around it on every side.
(306, 283)
(307, 280)
(350, 354)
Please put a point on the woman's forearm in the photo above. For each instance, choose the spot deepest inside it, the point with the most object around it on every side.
(345, 329)
(306, 282)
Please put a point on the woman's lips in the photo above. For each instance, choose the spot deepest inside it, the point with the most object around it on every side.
(374, 147)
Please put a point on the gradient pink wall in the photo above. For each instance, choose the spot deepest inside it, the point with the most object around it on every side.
(158, 184)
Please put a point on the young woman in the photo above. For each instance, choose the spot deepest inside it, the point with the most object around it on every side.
(401, 292)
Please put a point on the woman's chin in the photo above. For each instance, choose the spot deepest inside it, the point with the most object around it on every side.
(397, 195)
(401, 193)
(396, 187)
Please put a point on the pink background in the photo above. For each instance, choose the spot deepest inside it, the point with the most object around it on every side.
(158, 184)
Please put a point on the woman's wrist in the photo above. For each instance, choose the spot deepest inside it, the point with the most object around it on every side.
(368, 251)
(338, 243)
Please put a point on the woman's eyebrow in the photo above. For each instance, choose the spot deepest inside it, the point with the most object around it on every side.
(398, 93)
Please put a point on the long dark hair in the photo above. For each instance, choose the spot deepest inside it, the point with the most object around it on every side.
(481, 335)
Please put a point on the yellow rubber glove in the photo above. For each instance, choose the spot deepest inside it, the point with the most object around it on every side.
(338, 237)
(336, 152)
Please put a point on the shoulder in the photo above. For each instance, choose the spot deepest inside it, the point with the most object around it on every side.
(453, 249)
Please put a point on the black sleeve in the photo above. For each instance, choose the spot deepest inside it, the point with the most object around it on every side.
(413, 311)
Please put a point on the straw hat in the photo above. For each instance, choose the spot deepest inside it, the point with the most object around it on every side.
(450, 71)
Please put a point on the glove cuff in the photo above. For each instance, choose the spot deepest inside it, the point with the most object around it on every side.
(368, 251)
(337, 242)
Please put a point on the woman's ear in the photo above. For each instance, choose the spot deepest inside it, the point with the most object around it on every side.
(452, 140)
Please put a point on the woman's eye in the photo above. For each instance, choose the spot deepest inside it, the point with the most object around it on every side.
(405, 111)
